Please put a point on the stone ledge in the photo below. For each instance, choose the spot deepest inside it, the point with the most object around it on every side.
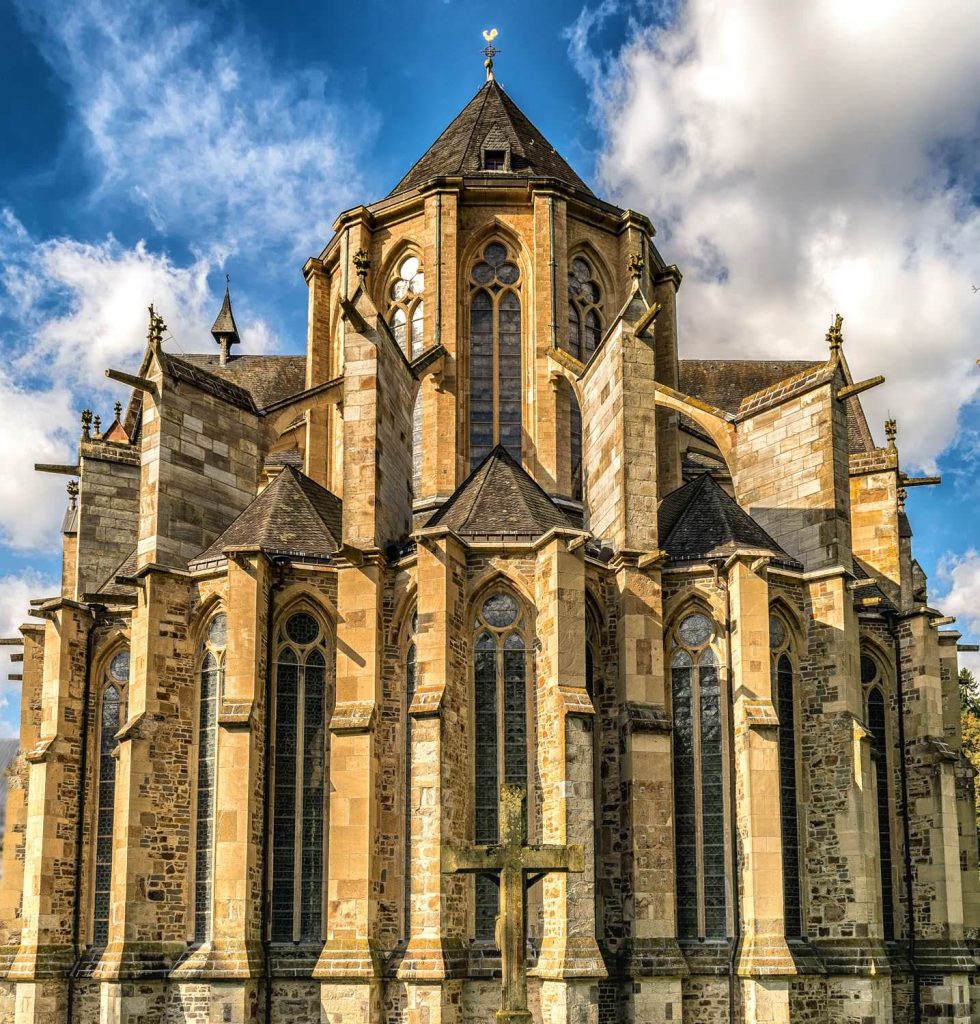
(349, 960)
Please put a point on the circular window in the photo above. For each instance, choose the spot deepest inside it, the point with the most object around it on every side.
(483, 273)
(495, 254)
(119, 667)
(869, 670)
(302, 628)
(777, 633)
(218, 630)
(508, 273)
(409, 268)
(695, 630)
(500, 610)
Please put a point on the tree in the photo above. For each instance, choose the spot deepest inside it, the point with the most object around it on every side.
(969, 692)
(970, 720)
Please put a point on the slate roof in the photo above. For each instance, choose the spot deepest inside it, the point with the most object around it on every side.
(459, 149)
(498, 499)
(726, 383)
(701, 520)
(127, 567)
(259, 381)
(293, 515)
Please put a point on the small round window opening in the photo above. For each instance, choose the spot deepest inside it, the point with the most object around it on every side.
(302, 628)
(499, 611)
(218, 631)
(119, 667)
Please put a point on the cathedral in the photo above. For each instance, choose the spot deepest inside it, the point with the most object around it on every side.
(490, 663)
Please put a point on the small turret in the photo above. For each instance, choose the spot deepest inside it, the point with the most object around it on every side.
(225, 330)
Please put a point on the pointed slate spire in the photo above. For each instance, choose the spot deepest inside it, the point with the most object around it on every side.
(225, 330)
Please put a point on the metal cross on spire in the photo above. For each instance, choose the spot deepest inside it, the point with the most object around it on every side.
(489, 34)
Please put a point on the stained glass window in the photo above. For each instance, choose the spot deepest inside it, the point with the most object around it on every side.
(700, 825)
(207, 732)
(575, 432)
(410, 669)
(788, 807)
(300, 776)
(109, 725)
(584, 304)
(496, 374)
(500, 667)
(879, 751)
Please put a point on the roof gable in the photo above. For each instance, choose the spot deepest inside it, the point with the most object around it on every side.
(701, 520)
(499, 498)
(293, 515)
(490, 120)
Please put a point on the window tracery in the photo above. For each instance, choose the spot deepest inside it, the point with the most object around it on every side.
(699, 799)
(406, 317)
(495, 392)
(873, 680)
(299, 773)
(115, 684)
(584, 332)
(211, 685)
(782, 668)
(500, 671)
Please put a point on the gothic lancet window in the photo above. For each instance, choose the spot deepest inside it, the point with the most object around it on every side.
(405, 315)
(785, 700)
(299, 774)
(584, 332)
(699, 800)
(500, 671)
(496, 393)
(212, 676)
(874, 685)
(110, 721)
(410, 679)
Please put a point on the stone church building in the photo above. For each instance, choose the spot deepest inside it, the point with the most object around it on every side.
(490, 535)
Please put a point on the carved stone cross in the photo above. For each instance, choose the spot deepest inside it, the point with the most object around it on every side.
(512, 859)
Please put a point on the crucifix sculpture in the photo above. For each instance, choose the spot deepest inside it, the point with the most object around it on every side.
(512, 860)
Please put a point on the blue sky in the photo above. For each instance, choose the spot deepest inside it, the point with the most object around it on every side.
(797, 156)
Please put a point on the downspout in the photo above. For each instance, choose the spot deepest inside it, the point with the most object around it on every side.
(736, 892)
(906, 828)
(76, 911)
(267, 790)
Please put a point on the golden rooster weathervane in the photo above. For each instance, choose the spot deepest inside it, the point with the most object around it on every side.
(489, 34)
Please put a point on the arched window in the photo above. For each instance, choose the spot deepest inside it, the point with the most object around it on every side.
(300, 775)
(699, 796)
(212, 677)
(114, 687)
(785, 700)
(405, 315)
(873, 679)
(496, 393)
(410, 677)
(500, 670)
(584, 332)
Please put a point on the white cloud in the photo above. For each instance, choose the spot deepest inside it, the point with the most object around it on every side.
(960, 576)
(15, 594)
(69, 310)
(188, 117)
(802, 157)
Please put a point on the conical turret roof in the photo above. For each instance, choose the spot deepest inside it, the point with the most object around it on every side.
(490, 121)
(224, 323)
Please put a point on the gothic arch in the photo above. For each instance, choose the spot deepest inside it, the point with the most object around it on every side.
(402, 615)
(494, 577)
(404, 248)
(586, 248)
(297, 593)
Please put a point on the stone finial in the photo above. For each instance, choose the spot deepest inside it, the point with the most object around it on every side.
(635, 263)
(902, 495)
(362, 264)
(97, 425)
(891, 432)
(157, 327)
(73, 494)
(117, 410)
(86, 424)
(834, 337)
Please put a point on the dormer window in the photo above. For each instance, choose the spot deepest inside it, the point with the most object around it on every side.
(495, 159)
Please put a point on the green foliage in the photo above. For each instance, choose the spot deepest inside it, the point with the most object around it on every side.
(970, 719)
(969, 692)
